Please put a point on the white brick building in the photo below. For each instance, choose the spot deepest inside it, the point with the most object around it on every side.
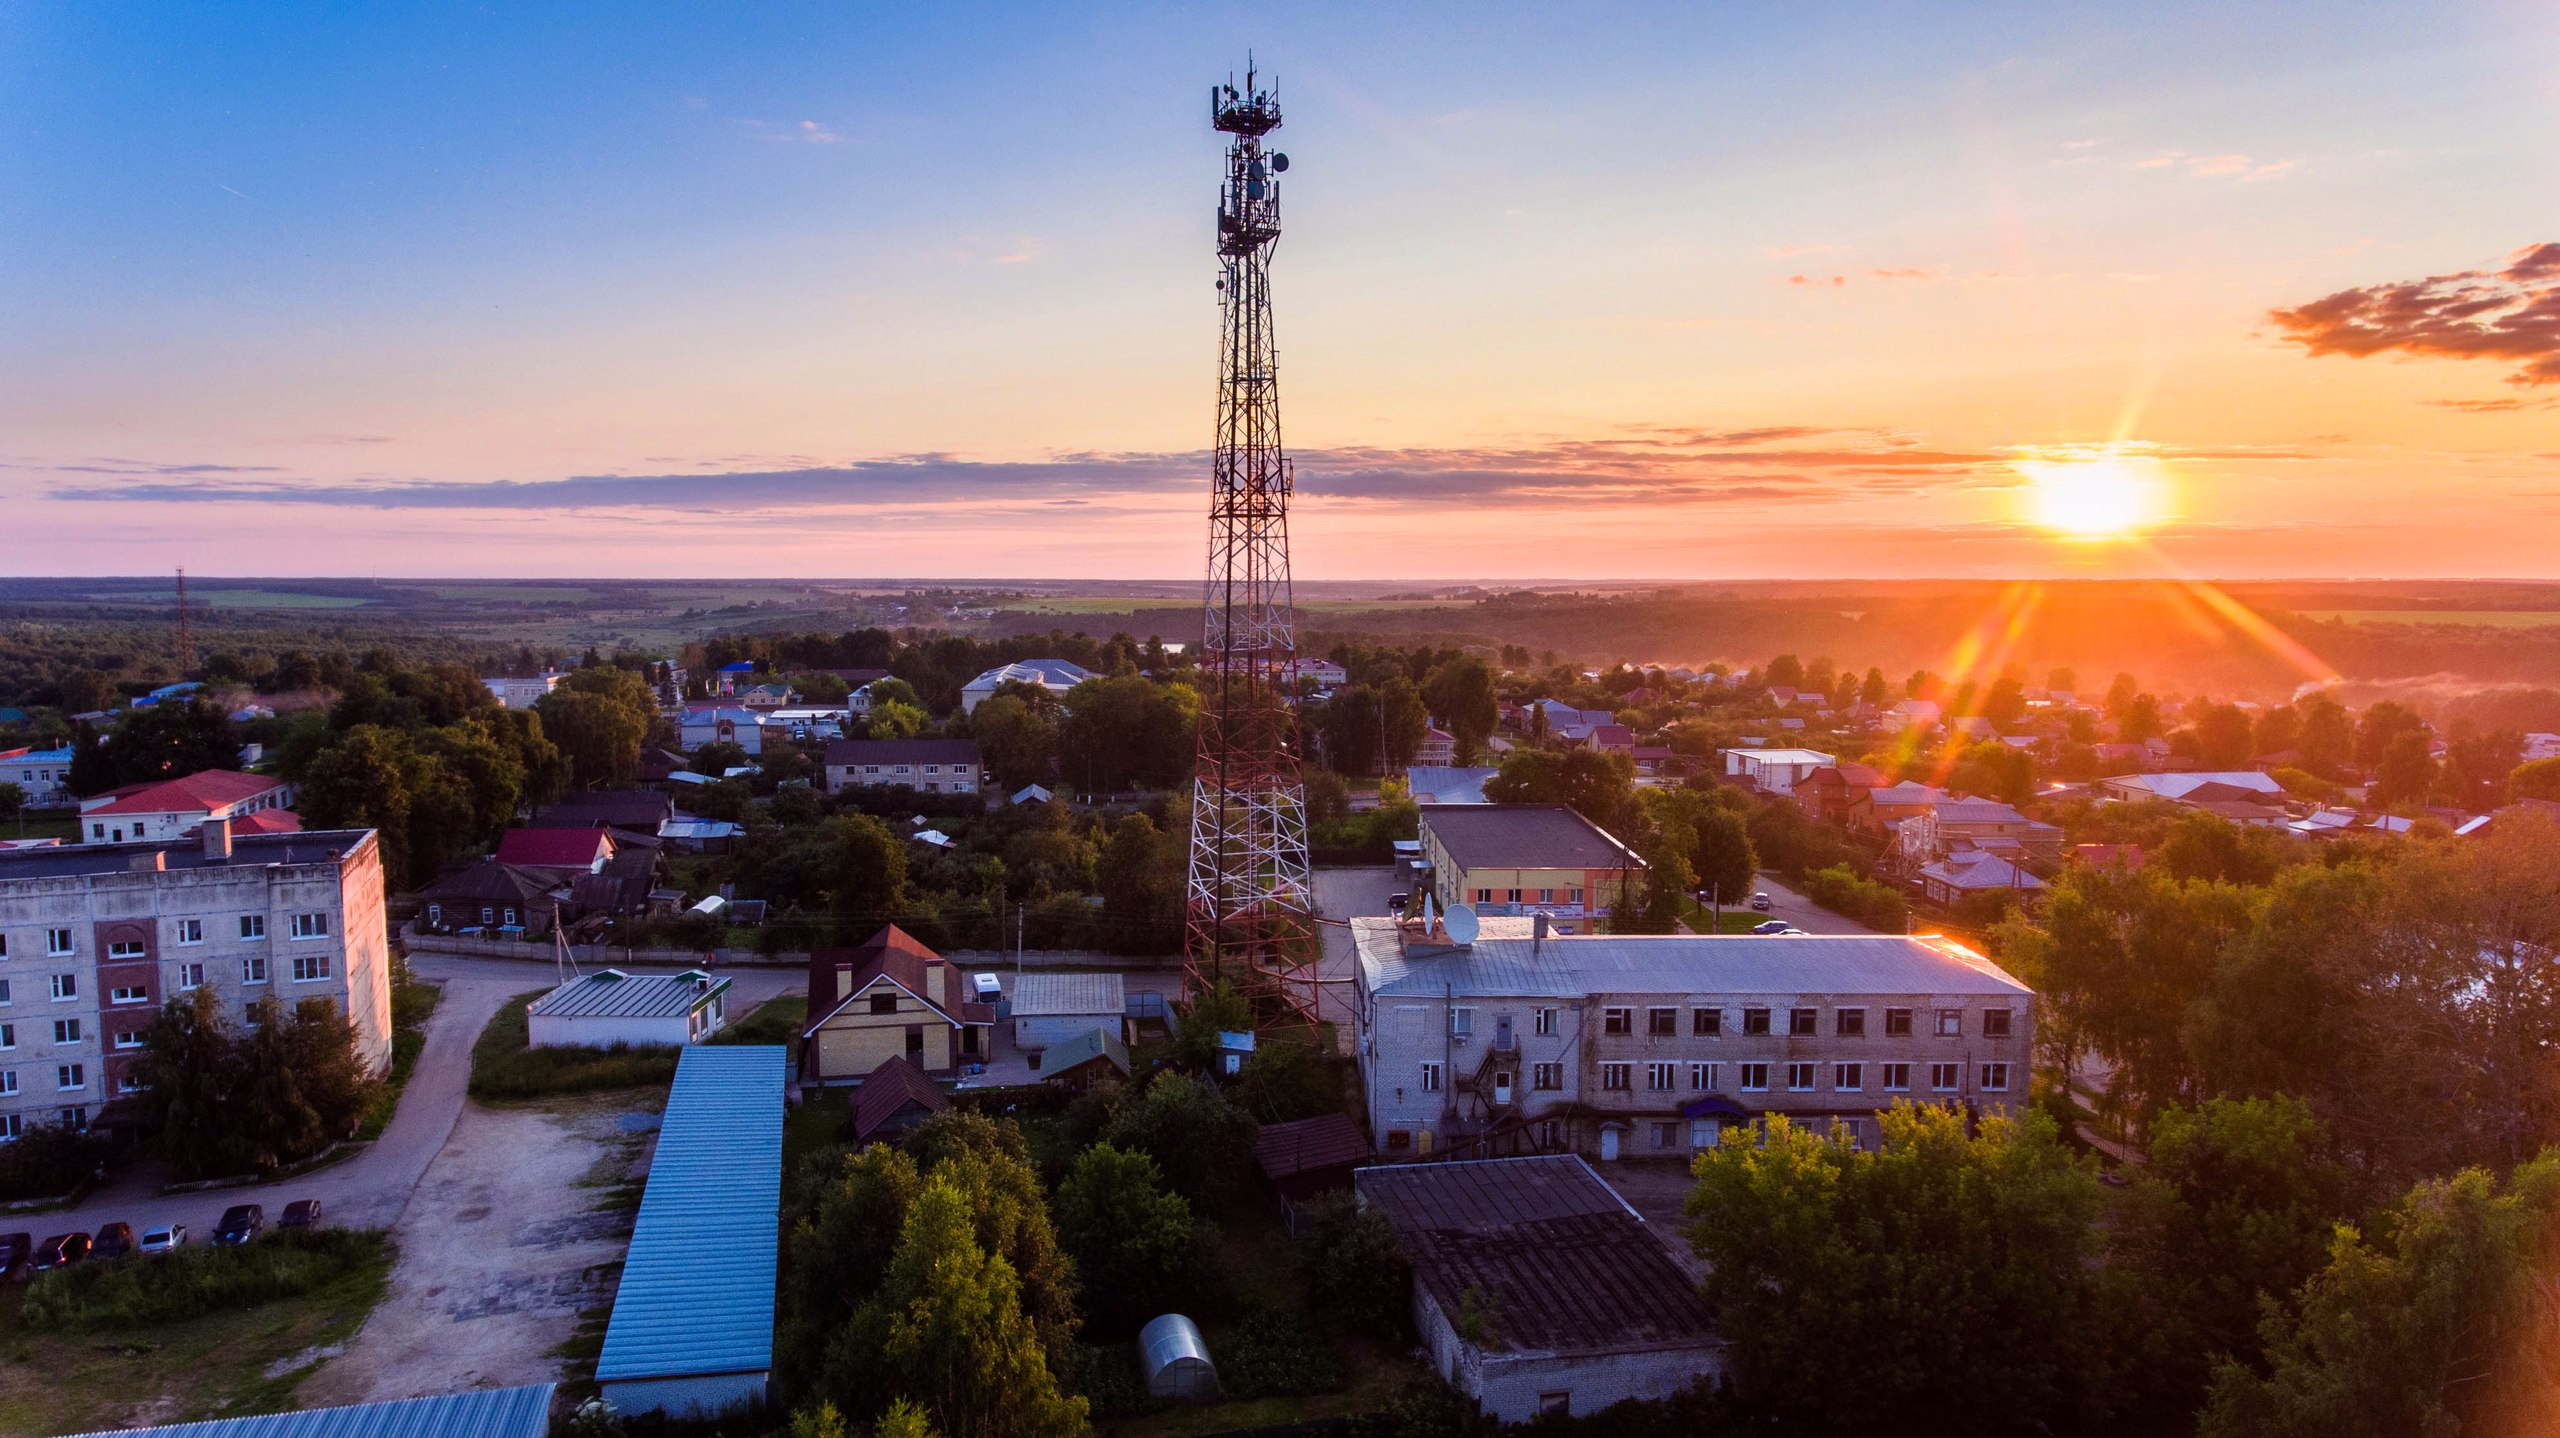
(95, 938)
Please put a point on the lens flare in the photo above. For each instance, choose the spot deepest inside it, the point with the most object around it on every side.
(2105, 493)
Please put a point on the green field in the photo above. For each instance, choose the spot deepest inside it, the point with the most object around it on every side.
(2483, 618)
(240, 599)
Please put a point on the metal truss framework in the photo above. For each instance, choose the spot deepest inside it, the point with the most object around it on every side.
(1249, 908)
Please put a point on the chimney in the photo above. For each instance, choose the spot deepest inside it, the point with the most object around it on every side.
(1537, 933)
(151, 862)
(217, 840)
(937, 981)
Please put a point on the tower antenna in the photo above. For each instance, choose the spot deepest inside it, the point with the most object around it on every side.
(186, 629)
(1249, 916)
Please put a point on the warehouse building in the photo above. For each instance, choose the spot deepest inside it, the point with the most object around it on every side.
(1054, 1009)
(612, 1007)
(483, 1413)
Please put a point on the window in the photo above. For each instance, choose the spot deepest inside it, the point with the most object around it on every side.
(9, 1085)
(1546, 896)
(1484, 896)
(1513, 896)
(190, 976)
(1848, 1078)
(1666, 1134)
(1399, 1140)
(488, 915)
(1706, 1023)
(1617, 1021)
(1560, 1401)
(1803, 1023)
(1545, 1023)
(191, 931)
(66, 1031)
(4, 992)
(1897, 1023)
(128, 1084)
(1943, 1078)
(1950, 1023)
(1755, 1021)
(128, 994)
(57, 942)
(1995, 1078)
(1546, 1077)
(1661, 1077)
(4, 946)
(1462, 1022)
(933, 768)
(70, 1076)
(253, 970)
(1617, 1078)
(1995, 1023)
(884, 1003)
(1431, 1072)
(253, 926)
(1897, 1078)
(310, 968)
(1755, 1078)
(128, 1038)
(1662, 1023)
(1702, 1077)
(8, 1036)
(65, 986)
(1849, 1023)
(1573, 896)
(1799, 1078)
(311, 926)
(128, 950)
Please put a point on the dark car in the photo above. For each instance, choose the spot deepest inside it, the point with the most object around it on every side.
(240, 1223)
(301, 1213)
(61, 1250)
(1771, 926)
(14, 1248)
(114, 1240)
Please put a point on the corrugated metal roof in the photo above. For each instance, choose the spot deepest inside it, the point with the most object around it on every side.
(697, 1287)
(1506, 961)
(484, 1413)
(614, 994)
(1525, 836)
(1057, 995)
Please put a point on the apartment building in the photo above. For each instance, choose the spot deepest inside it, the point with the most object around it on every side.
(933, 766)
(1516, 859)
(40, 775)
(172, 808)
(95, 938)
(1653, 1044)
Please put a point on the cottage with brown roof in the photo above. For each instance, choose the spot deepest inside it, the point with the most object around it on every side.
(890, 998)
(894, 1097)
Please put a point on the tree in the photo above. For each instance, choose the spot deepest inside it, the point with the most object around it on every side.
(2381, 725)
(1140, 874)
(2407, 771)
(2140, 720)
(171, 740)
(1197, 1136)
(92, 772)
(1461, 696)
(1945, 1271)
(1599, 786)
(1873, 690)
(958, 1340)
(2539, 779)
(1127, 732)
(1128, 1235)
(1995, 770)
(226, 1102)
(2225, 737)
(893, 720)
(2327, 738)
(1668, 882)
(361, 781)
(2207, 846)
(13, 801)
(833, 1256)
(599, 717)
(1784, 672)
(2124, 959)
(1212, 1011)
(1018, 741)
(1355, 1267)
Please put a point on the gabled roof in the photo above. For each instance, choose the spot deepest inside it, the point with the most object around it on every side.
(489, 882)
(1069, 995)
(1331, 1140)
(1091, 1046)
(266, 821)
(899, 957)
(613, 994)
(1979, 811)
(1978, 871)
(554, 848)
(1045, 673)
(212, 790)
(642, 809)
(2180, 786)
(889, 1088)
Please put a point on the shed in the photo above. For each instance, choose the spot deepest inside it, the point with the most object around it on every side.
(523, 1412)
(611, 1007)
(1175, 1359)
(893, 1098)
(1233, 1050)
(692, 1326)
(1053, 1008)
(1310, 1156)
(1085, 1060)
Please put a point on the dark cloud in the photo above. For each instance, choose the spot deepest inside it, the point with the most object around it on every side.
(2509, 314)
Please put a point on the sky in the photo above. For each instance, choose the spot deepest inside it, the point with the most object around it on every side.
(1671, 292)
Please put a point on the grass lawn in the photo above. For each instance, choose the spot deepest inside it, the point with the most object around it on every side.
(213, 1366)
(1701, 919)
(44, 824)
(777, 1020)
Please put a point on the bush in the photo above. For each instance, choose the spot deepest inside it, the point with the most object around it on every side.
(1840, 890)
(191, 1282)
(503, 1066)
(1355, 1267)
(48, 1160)
(1108, 1376)
(1274, 1354)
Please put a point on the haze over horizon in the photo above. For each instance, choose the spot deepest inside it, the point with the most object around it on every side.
(1637, 294)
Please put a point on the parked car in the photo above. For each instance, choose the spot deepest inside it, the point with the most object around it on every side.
(240, 1223)
(113, 1240)
(986, 988)
(1770, 926)
(14, 1248)
(61, 1251)
(164, 1238)
(1396, 902)
(301, 1213)
(1760, 901)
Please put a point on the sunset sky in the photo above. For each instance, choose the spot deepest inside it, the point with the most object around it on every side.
(1683, 292)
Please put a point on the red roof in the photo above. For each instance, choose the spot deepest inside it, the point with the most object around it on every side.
(555, 848)
(267, 821)
(888, 1089)
(836, 975)
(211, 791)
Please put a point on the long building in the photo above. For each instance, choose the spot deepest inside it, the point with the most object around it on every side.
(1652, 1044)
(94, 938)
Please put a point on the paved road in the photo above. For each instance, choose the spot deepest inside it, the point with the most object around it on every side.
(372, 1188)
(1804, 913)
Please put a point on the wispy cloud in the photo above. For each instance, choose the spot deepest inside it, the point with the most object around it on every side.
(2510, 314)
(2218, 166)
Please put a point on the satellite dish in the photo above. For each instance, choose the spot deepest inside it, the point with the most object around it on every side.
(1462, 924)
(1279, 163)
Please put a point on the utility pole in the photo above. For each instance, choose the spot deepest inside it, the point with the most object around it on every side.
(186, 631)
(1248, 911)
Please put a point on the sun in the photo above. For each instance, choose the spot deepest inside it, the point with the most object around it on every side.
(2095, 495)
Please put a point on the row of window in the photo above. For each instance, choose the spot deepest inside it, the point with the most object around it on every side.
(907, 768)
(14, 1125)
(307, 968)
(1847, 1023)
(1708, 1077)
(60, 943)
(1520, 896)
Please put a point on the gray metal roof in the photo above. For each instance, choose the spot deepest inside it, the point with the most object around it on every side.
(613, 994)
(1062, 995)
(1506, 961)
(697, 1287)
(483, 1413)
(1524, 836)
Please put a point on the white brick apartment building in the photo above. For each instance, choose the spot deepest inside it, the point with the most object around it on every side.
(95, 938)
(1651, 1044)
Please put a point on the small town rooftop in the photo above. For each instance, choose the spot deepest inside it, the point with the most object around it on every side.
(1506, 959)
(613, 994)
(1524, 836)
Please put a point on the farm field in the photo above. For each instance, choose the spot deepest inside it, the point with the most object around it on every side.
(2488, 618)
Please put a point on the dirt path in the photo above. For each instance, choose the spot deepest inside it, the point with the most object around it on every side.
(511, 1233)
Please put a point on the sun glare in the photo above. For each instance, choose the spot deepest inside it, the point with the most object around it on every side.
(2094, 496)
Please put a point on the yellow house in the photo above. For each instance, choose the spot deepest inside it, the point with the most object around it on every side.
(1519, 859)
(890, 998)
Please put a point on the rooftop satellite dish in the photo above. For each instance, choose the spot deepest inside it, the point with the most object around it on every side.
(1279, 163)
(1462, 924)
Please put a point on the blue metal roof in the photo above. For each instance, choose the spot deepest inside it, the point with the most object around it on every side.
(486, 1413)
(697, 1288)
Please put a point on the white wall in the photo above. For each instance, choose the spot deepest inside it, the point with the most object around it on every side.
(598, 1032)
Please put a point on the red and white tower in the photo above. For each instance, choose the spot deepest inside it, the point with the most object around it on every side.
(1250, 911)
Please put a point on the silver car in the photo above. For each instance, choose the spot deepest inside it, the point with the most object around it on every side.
(163, 1237)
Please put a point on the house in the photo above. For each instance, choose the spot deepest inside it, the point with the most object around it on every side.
(1056, 677)
(1439, 749)
(172, 808)
(1824, 793)
(1523, 858)
(892, 997)
(1536, 1289)
(490, 895)
(1310, 1156)
(1972, 726)
(1885, 808)
(1774, 771)
(1032, 794)
(1442, 785)
(893, 1098)
(1985, 824)
(561, 852)
(1655, 1042)
(765, 697)
(725, 680)
(2179, 788)
(1562, 719)
(1326, 675)
(2323, 823)
(1091, 1057)
(1656, 759)
(931, 766)
(609, 1007)
(637, 811)
(39, 775)
(1974, 872)
(2539, 746)
(1610, 739)
(705, 724)
(522, 692)
(1056, 1008)
(2248, 807)
(1921, 714)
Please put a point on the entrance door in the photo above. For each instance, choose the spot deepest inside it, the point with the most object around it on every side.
(1501, 1088)
(1609, 1143)
(1502, 1033)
